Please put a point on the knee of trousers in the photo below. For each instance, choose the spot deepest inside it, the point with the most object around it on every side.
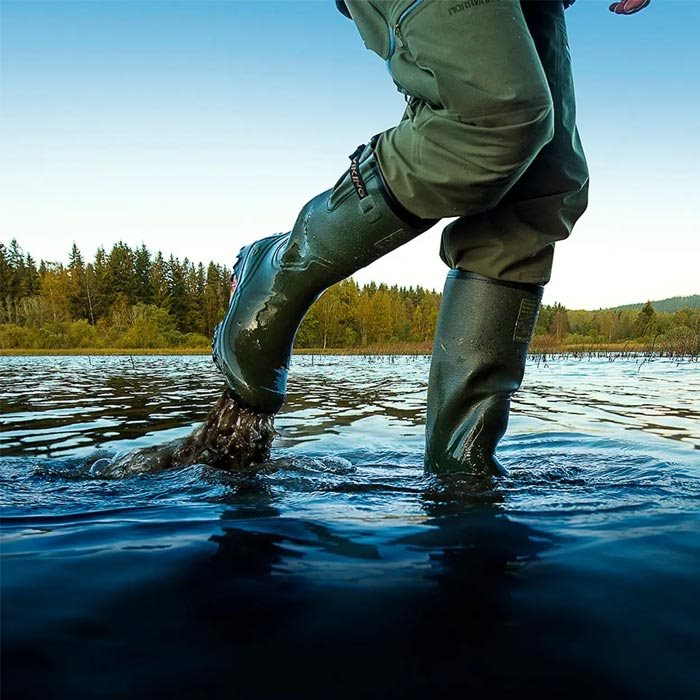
(442, 165)
(491, 156)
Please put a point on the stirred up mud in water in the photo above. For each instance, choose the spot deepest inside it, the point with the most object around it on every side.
(232, 437)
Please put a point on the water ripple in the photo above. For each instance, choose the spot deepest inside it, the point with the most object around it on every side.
(341, 549)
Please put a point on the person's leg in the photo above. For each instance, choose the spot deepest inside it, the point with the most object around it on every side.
(480, 106)
(481, 112)
(487, 319)
(515, 240)
(276, 279)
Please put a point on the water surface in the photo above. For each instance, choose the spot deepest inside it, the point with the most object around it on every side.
(339, 568)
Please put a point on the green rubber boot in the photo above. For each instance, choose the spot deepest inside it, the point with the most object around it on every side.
(275, 280)
(481, 342)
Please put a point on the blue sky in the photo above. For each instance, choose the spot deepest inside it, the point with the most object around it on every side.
(197, 126)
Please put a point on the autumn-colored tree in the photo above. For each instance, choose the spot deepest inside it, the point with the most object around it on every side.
(560, 322)
(56, 288)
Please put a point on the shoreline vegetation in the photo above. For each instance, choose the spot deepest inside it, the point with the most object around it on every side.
(133, 302)
(537, 350)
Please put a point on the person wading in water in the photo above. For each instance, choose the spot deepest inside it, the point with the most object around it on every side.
(488, 136)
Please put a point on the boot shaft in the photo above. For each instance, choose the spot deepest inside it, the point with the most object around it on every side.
(278, 278)
(479, 353)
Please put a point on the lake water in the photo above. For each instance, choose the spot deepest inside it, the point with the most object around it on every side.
(338, 569)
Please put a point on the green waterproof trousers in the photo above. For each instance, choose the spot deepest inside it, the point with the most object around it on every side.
(489, 134)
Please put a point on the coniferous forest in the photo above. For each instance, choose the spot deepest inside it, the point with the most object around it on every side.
(133, 299)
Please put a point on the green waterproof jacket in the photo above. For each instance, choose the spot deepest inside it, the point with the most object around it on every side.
(340, 4)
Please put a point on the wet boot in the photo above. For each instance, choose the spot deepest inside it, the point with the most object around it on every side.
(481, 342)
(275, 280)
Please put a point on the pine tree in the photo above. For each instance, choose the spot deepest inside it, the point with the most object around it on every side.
(33, 279)
(646, 320)
(77, 298)
(194, 285)
(160, 290)
(6, 304)
(75, 259)
(17, 278)
(225, 278)
(89, 291)
(213, 303)
(143, 291)
(177, 290)
(545, 320)
(103, 296)
(199, 285)
(121, 277)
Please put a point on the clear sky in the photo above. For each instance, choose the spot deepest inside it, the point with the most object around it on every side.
(196, 127)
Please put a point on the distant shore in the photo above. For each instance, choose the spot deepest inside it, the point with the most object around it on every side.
(536, 349)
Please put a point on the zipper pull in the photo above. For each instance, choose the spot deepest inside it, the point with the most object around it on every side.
(397, 34)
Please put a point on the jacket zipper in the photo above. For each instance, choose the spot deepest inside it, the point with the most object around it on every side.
(395, 31)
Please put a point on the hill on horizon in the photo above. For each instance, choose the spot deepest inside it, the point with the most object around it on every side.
(671, 304)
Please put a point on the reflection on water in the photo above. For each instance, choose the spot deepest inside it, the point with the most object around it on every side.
(338, 568)
(62, 405)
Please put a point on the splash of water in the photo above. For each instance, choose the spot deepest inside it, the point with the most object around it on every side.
(232, 438)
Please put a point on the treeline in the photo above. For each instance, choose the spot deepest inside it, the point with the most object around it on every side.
(674, 333)
(130, 298)
(122, 298)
